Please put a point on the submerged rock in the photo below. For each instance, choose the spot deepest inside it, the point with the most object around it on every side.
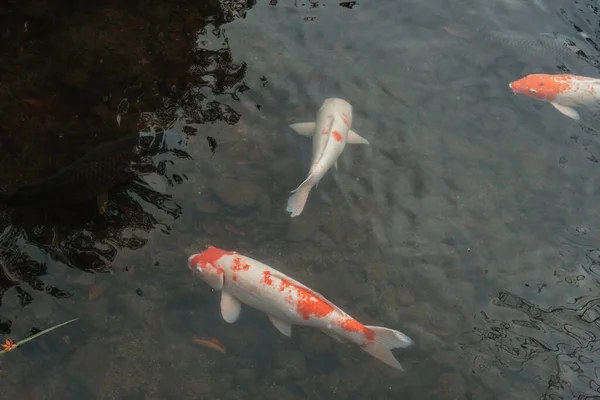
(237, 194)
(292, 363)
(300, 229)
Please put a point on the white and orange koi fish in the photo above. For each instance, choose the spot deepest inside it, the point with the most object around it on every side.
(330, 134)
(287, 302)
(563, 91)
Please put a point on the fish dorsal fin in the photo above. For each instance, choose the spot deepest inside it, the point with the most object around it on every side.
(281, 275)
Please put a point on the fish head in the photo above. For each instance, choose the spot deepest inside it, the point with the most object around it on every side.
(541, 86)
(336, 105)
(209, 267)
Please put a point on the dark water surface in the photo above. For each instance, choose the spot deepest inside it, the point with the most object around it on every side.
(470, 223)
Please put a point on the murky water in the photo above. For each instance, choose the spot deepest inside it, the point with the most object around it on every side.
(470, 223)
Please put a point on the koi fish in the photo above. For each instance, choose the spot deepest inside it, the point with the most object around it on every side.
(89, 177)
(287, 302)
(563, 91)
(330, 134)
(543, 49)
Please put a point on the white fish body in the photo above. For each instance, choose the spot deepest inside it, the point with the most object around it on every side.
(581, 93)
(330, 134)
(287, 302)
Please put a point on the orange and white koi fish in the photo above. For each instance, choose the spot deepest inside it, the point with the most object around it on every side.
(287, 302)
(563, 91)
(330, 134)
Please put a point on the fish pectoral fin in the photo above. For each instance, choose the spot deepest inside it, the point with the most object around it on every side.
(215, 281)
(230, 307)
(304, 128)
(355, 138)
(282, 326)
(568, 111)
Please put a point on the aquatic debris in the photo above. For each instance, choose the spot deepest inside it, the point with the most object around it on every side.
(233, 229)
(348, 4)
(212, 142)
(9, 345)
(97, 290)
(41, 102)
(211, 343)
(459, 31)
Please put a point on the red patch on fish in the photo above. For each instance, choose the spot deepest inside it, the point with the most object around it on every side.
(544, 86)
(345, 119)
(209, 257)
(351, 325)
(240, 265)
(307, 303)
(267, 278)
(337, 136)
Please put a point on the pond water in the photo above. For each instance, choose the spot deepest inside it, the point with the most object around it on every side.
(470, 222)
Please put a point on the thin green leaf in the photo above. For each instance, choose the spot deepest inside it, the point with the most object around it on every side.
(27, 339)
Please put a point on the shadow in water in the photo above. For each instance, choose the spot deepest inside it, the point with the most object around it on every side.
(82, 88)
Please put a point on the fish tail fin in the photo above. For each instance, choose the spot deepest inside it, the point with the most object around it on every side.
(386, 339)
(297, 200)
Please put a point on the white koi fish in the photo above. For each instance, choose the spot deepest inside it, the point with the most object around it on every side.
(330, 134)
(287, 302)
(563, 91)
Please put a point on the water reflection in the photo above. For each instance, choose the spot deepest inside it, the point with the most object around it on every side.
(78, 237)
(135, 91)
(545, 336)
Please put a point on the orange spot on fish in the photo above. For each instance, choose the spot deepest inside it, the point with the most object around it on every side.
(240, 265)
(234, 277)
(324, 132)
(337, 136)
(351, 325)
(209, 257)
(345, 119)
(307, 303)
(267, 278)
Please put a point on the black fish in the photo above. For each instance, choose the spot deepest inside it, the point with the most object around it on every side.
(544, 48)
(91, 176)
